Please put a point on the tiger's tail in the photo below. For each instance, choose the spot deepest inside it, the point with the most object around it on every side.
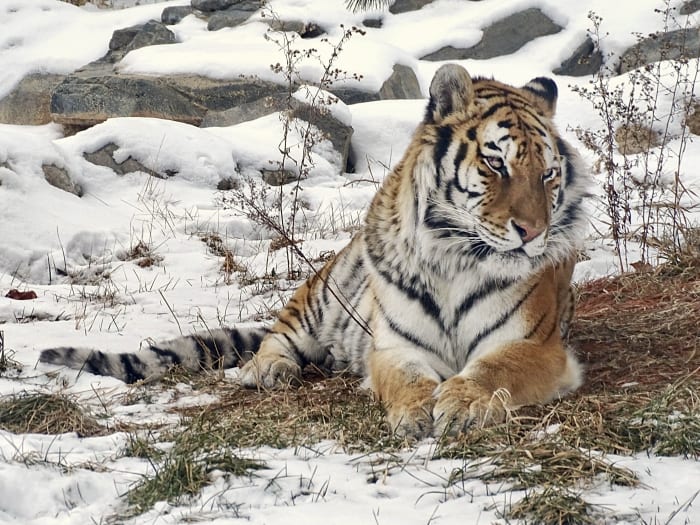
(218, 348)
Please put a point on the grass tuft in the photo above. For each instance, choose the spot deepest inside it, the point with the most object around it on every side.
(38, 413)
(200, 449)
(554, 506)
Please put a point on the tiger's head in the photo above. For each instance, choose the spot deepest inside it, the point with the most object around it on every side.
(501, 176)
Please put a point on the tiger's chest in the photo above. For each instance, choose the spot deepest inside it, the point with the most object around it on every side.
(455, 319)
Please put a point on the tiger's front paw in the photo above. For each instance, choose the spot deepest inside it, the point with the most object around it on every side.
(462, 402)
(413, 419)
(269, 370)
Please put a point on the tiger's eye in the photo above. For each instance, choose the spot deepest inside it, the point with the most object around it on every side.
(550, 174)
(495, 163)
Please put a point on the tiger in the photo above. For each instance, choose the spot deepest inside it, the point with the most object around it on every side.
(453, 300)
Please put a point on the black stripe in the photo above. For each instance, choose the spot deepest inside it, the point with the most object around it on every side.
(441, 147)
(130, 362)
(165, 354)
(499, 322)
(97, 363)
(536, 326)
(413, 339)
(493, 110)
(505, 124)
(487, 289)
(460, 156)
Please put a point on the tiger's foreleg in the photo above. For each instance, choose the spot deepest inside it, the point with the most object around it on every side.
(404, 382)
(513, 375)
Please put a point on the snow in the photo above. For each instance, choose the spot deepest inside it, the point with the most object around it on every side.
(113, 304)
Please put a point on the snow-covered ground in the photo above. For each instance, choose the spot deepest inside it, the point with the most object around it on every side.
(115, 305)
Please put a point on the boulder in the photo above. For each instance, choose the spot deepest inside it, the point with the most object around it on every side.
(59, 178)
(403, 6)
(673, 45)
(213, 5)
(503, 37)
(402, 84)
(104, 156)
(233, 16)
(585, 60)
(29, 103)
(173, 14)
(85, 101)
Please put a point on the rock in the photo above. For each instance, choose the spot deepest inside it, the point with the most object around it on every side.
(213, 5)
(338, 133)
(228, 183)
(175, 13)
(129, 38)
(502, 37)
(402, 84)
(105, 157)
(278, 177)
(373, 22)
(87, 101)
(29, 103)
(674, 45)
(585, 60)
(689, 7)
(59, 178)
(354, 96)
(233, 16)
(403, 6)
(303, 29)
(245, 111)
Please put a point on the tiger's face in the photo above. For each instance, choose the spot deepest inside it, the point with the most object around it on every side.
(519, 177)
(500, 171)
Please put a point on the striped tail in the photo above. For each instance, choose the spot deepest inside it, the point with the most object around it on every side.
(219, 348)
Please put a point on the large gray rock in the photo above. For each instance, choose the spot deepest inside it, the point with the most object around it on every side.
(233, 16)
(402, 84)
(502, 37)
(85, 101)
(104, 156)
(585, 60)
(59, 178)
(674, 45)
(213, 5)
(29, 103)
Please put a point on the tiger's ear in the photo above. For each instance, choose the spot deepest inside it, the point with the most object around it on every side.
(545, 91)
(451, 91)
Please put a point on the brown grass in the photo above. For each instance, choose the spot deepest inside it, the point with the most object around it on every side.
(38, 413)
(640, 331)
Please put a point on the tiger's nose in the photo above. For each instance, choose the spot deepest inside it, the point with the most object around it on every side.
(527, 231)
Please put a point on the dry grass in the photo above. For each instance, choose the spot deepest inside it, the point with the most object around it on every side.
(37, 413)
(640, 331)
(320, 408)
